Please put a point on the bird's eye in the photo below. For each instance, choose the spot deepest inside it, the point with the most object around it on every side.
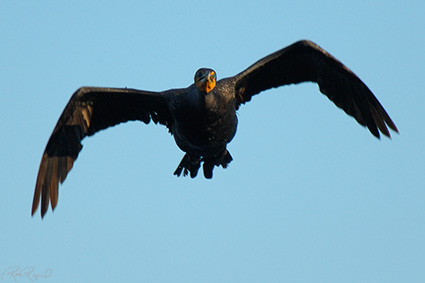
(198, 75)
(213, 76)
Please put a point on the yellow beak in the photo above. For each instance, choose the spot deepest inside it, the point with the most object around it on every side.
(210, 83)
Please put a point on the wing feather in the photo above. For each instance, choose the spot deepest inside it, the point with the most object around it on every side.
(89, 111)
(304, 61)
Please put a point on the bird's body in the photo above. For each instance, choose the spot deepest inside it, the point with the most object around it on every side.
(203, 124)
(202, 117)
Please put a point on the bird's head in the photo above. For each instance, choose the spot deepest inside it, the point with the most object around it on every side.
(205, 79)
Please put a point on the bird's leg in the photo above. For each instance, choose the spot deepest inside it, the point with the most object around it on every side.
(208, 168)
(225, 159)
(192, 163)
(189, 163)
(222, 159)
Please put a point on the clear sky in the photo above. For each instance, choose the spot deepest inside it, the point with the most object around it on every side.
(311, 196)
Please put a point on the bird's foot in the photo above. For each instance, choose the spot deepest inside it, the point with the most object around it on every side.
(189, 163)
(222, 159)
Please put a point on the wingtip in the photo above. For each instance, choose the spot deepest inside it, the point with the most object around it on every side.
(44, 211)
(34, 210)
(387, 134)
(35, 204)
(393, 127)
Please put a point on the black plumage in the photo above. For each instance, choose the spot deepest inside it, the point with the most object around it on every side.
(202, 117)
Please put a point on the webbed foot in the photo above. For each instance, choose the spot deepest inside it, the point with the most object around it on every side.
(191, 164)
(223, 159)
(188, 164)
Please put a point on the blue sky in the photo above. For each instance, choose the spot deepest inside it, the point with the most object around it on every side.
(311, 196)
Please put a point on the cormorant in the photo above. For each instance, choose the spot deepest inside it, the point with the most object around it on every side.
(202, 117)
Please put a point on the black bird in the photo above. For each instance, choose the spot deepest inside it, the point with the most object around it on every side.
(202, 117)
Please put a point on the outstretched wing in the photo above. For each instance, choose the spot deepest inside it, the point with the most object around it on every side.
(305, 61)
(90, 110)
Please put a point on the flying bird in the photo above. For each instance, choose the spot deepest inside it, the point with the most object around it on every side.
(202, 117)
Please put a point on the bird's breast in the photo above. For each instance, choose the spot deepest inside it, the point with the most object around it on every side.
(205, 128)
